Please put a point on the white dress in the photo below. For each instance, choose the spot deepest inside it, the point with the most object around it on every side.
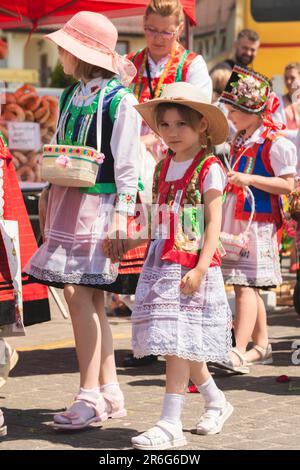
(76, 223)
(259, 265)
(167, 322)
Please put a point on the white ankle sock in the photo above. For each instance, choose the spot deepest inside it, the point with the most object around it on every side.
(112, 388)
(210, 392)
(172, 407)
(90, 392)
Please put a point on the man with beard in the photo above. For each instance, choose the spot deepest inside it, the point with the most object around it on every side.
(245, 49)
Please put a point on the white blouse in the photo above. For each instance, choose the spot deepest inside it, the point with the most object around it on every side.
(197, 72)
(215, 178)
(124, 143)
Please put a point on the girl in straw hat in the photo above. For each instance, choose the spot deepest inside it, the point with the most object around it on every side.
(264, 161)
(181, 310)
(163, 61)
(71, 256)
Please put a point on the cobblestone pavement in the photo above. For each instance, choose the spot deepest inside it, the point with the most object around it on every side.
(266, 414)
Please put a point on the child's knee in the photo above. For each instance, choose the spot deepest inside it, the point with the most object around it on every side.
(75, 298)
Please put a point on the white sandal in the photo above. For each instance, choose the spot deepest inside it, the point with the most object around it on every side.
(265, 355)
(3, 428)
(211, 423)
(163, 435)
(228, 363)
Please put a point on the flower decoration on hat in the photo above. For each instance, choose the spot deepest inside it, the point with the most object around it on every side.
(247, 90)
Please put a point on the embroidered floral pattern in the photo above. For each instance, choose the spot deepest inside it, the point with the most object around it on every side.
(125, 202)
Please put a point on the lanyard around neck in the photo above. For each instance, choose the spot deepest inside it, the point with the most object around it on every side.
(149, 79)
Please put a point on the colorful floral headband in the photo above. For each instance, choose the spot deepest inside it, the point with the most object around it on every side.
(247, 90)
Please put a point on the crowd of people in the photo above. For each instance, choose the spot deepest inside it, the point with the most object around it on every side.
(157, 117)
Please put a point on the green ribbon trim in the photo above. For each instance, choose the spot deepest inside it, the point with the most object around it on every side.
(100, 188)
(107, 188)
(178, 77)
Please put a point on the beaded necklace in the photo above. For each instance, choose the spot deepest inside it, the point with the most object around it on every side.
(158, 87)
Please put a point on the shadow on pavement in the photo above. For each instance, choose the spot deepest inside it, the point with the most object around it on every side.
(30, 425)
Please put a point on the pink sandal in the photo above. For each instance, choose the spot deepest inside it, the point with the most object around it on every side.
(76, 421)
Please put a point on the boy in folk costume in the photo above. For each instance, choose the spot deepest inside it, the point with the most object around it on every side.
(265, 161)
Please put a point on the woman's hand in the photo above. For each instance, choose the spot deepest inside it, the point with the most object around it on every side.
(240, 179)
(190, 283)
(43, 204)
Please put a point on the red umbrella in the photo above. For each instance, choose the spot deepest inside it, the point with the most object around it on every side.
(31, 14)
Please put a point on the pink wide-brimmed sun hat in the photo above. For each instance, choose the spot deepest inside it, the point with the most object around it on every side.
(92, 38)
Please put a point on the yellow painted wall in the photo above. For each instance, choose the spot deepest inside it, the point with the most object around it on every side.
(272, 60)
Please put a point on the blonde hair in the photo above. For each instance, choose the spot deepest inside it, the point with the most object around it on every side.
(190, 115)
(166, 8)
(85, 71)
(219, 79)
(292, 65)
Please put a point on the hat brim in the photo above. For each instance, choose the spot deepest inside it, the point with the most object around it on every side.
(217, 122)
(82, 52)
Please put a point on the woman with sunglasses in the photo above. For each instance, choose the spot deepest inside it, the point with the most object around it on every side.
(163, 61)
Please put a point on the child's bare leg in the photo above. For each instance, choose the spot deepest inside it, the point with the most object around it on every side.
(108, 380)
(89, 404)
(199, 372)
(177, 374)
(108, 373)
(87, 333)
(246, 309)
(260, 332)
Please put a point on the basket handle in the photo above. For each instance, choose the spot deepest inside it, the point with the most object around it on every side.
(53, 140)
(99, 116)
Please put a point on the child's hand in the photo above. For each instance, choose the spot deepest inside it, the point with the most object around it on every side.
(43, 203)
(106, 247)
(115, 248)
(190, 283)
(240, 179)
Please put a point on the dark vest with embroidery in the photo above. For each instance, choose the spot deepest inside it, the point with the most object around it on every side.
(106, 170)
(256, 161)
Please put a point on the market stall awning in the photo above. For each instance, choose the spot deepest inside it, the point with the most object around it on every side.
(31, 14)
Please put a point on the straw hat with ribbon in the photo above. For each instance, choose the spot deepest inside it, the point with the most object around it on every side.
(193, 97)
(92, 38)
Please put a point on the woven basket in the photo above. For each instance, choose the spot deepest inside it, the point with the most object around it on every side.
(69, 165)
(234, 244)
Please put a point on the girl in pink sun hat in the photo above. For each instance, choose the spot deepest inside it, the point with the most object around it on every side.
(97, 111)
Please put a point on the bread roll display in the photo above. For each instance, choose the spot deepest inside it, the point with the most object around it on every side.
(26, 106)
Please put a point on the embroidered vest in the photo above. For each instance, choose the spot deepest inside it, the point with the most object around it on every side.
(176, 73)
(80, 127)
(256, 161)
(183, 197)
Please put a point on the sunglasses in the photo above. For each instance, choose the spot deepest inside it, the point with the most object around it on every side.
(166, 35)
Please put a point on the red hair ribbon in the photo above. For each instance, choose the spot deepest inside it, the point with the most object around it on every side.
(272, 105)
